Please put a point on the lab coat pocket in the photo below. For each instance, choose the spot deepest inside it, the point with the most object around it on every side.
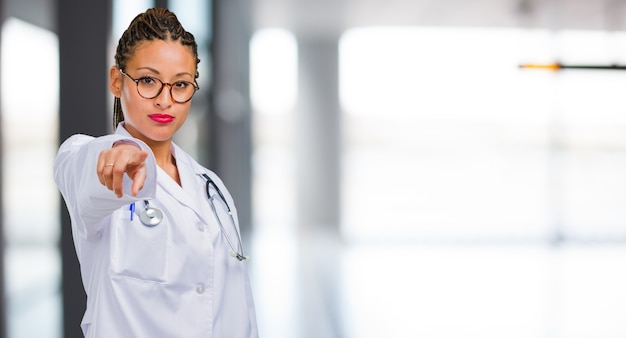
(139, 251)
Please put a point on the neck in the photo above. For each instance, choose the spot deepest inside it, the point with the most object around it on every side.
(165, 160)
(162, 153)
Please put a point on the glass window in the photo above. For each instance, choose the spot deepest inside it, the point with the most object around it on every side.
(30, 197)
(273, 89)
(448, 142)
(447, 135)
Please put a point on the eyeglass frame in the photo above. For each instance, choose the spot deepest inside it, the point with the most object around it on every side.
(195, 85)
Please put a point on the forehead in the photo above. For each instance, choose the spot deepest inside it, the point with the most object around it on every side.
(163, 55)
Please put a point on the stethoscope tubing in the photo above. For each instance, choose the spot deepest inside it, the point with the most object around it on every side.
(151, 217)
(237, 253)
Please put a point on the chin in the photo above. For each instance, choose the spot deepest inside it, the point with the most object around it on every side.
(161, 137)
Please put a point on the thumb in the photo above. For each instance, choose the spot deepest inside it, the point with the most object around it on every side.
(138, 158)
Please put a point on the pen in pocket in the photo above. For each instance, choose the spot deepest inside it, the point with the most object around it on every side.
(132, 210)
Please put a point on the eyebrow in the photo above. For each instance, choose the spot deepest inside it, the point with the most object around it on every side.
(158, 73)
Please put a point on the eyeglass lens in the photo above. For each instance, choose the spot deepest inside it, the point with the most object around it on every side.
(181, 91)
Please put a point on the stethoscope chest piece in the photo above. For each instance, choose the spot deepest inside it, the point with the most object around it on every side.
(150, 216)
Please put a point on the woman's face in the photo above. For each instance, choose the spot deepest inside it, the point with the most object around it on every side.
(157, 119)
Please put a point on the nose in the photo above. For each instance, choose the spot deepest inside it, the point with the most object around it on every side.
(165, 99)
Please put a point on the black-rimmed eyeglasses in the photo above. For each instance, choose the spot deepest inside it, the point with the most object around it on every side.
(150, 87)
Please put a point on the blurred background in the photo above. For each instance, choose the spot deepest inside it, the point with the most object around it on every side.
(396, 172)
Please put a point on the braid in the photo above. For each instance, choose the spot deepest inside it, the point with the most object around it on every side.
(155, 23)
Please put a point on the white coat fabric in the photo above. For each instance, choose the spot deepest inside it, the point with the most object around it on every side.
(176, 279)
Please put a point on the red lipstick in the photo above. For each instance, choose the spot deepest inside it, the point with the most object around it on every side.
(161, 118)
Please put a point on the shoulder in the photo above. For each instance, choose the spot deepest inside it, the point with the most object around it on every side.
(77, 139)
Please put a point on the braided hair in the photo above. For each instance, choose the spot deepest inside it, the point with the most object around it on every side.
(155, 23)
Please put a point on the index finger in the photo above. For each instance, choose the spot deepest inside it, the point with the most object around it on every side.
(138, 180)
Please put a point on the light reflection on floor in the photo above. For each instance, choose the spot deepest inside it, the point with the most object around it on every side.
(316, 287)
(312, 285)
(33, 291)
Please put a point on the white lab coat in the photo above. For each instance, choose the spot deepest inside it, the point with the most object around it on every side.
(176, 279)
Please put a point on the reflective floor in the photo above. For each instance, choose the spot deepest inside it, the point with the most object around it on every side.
(312, 285)
(316, 287)
(32, 291)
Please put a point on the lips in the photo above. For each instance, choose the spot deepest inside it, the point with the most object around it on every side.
(161, 118)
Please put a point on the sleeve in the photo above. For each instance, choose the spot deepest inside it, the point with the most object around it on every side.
(89, 203)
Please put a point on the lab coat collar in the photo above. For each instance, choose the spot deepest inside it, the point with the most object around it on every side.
(189, 173)
(191, 193)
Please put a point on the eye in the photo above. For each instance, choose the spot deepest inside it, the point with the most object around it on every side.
(147, 80)
(182, 84)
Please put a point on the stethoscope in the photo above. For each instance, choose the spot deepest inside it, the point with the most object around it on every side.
(151, 216)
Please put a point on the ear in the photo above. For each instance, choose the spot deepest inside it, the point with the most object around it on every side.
(115, 81)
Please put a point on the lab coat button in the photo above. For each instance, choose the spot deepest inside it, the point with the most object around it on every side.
(200, 288)
(200, 226)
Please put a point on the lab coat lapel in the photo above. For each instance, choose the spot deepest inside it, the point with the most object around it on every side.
(186, 194)
(172, 188)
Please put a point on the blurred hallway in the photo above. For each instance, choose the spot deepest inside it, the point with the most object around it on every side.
(406, 177)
